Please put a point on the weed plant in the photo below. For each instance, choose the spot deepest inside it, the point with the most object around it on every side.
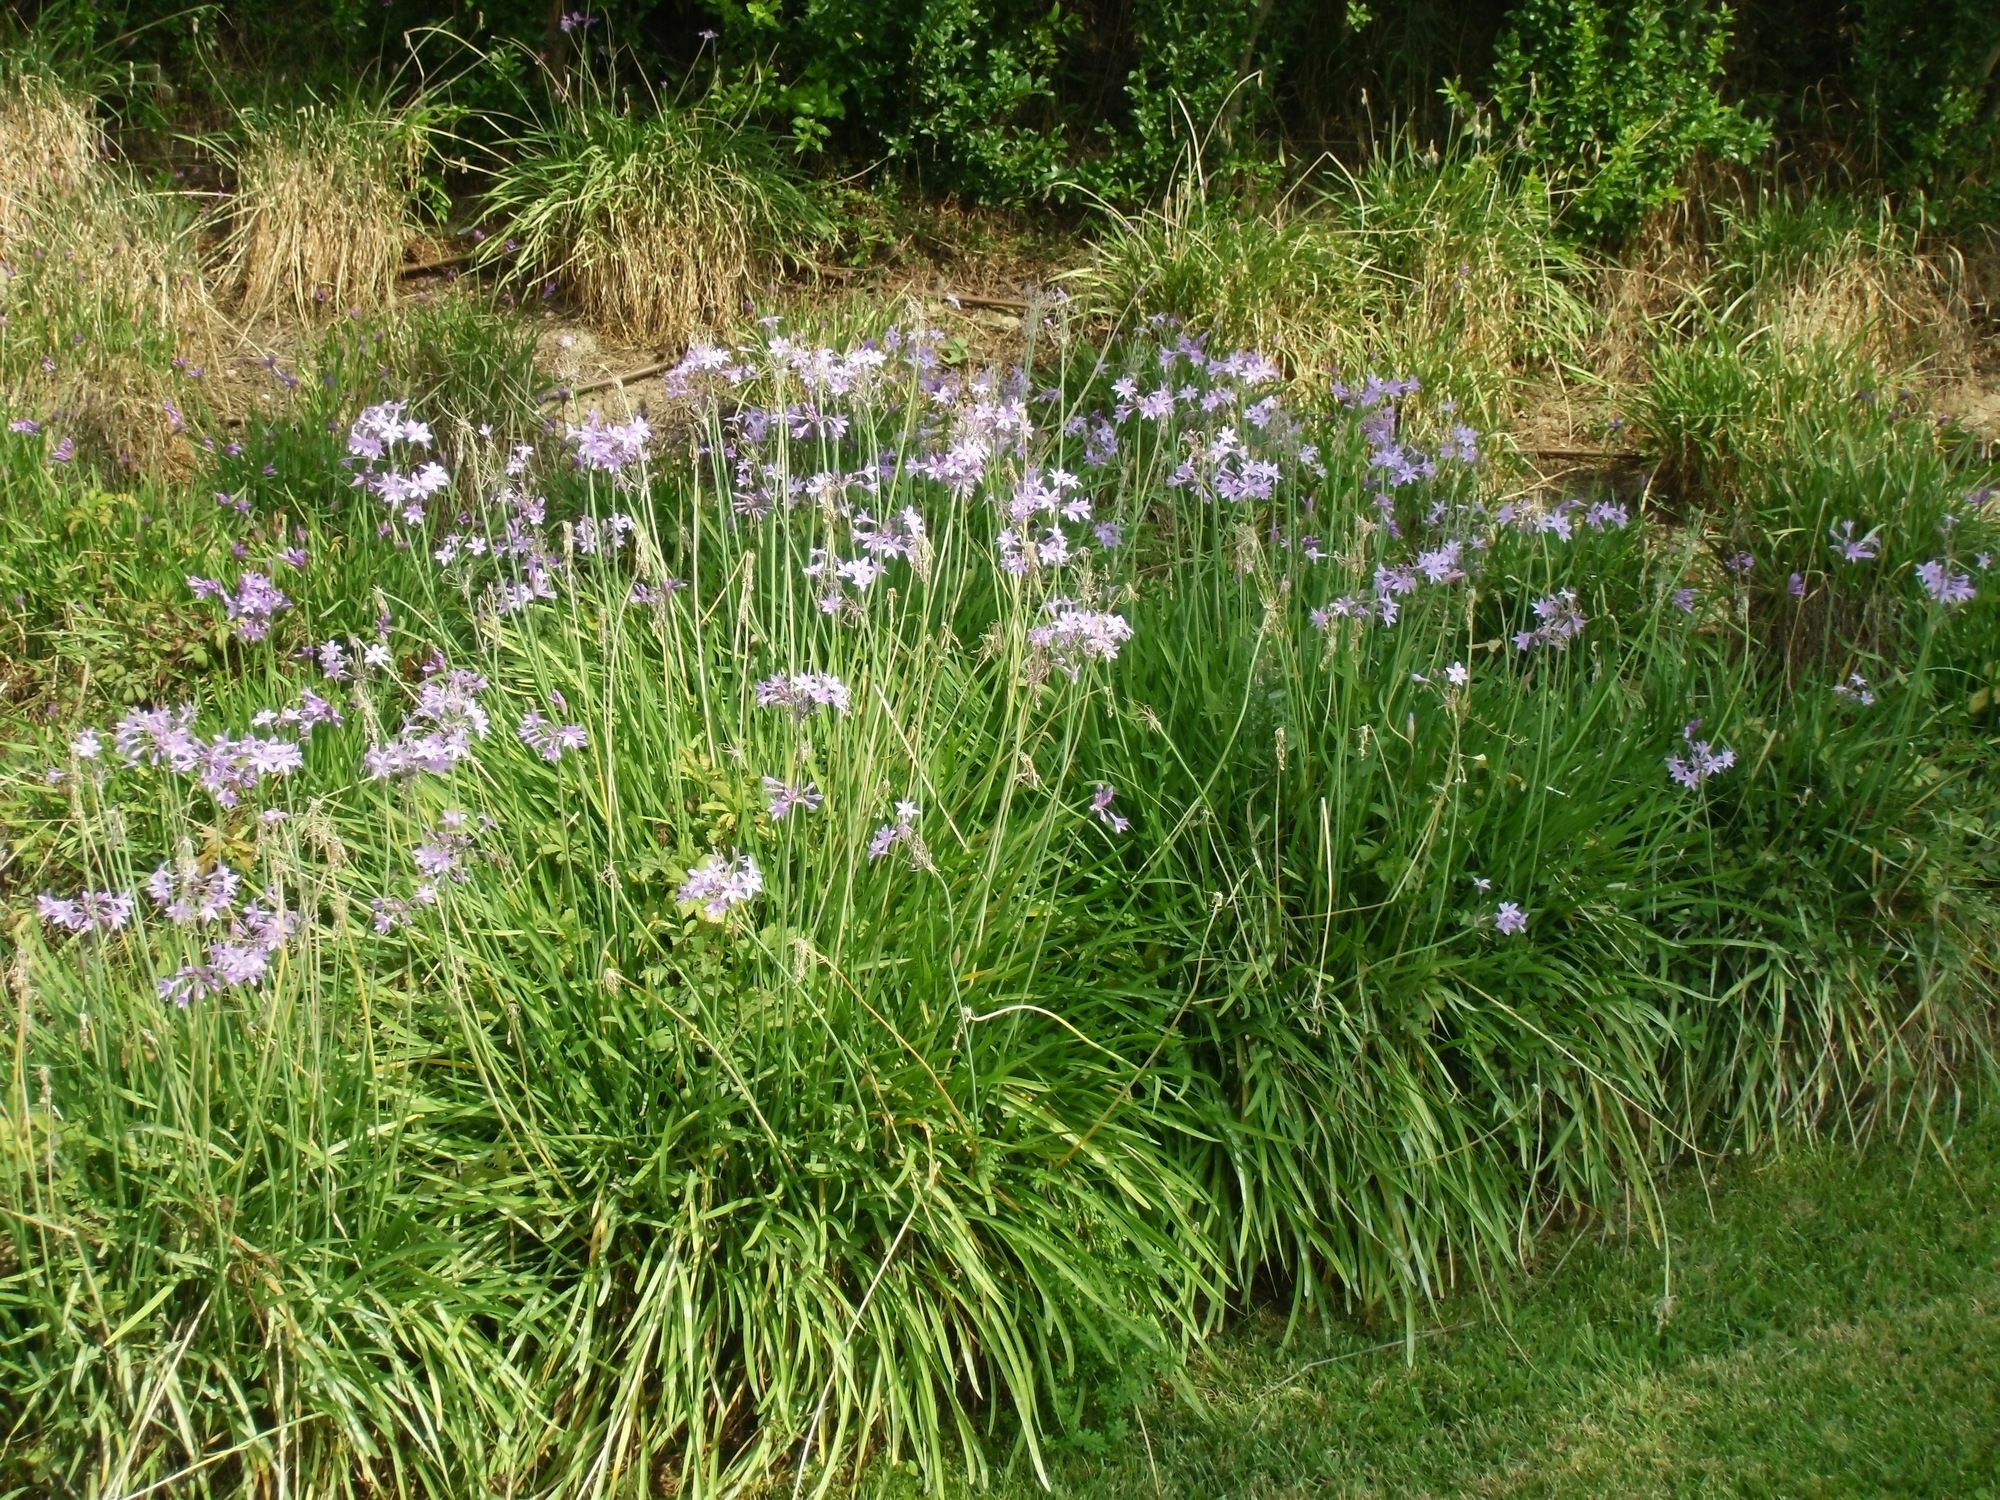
(842, 923)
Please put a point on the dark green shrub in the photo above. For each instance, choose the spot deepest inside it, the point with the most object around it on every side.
(1617, 101)
(1926, 75)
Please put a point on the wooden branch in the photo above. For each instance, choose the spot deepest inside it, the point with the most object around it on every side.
(570, 392)
(444, 262)
(1588, 455)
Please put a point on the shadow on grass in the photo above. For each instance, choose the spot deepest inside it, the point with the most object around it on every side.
(1822, 1323)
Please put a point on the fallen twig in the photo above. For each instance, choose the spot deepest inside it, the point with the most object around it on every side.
(569, 392)
(442, 263)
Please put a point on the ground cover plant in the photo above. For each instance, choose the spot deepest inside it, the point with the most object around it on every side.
(848, 916)
(1823, 1324)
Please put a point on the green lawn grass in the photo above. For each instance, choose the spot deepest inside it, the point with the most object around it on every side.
(1823, 1323)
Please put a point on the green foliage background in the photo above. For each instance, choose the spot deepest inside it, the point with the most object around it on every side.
(1031, 100)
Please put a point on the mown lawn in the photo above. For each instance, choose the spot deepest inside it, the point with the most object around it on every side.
(1825, 1324)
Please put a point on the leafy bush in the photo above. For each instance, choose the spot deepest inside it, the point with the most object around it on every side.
(1617, 101)
(1926, 74)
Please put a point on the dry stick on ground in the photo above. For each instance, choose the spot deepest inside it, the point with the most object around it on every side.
(441, 263)
(570, 392)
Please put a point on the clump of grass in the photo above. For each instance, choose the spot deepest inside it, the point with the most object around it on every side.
(1414, 254)
(1831, 270)
(660, 219)
(1271, 278)
(108, 309)
(1813, 273)
(1470, 257)
(468, 364)
(49, 150)
(326, 200)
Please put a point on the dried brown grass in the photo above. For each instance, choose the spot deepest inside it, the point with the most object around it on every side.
(324, 207)
(114, 297)
(49, 151)
(1813, 274)
(107, 287)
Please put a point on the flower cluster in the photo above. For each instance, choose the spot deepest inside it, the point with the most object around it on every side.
(250, 607)
(241, 958)
(720, 884)
(549, 739)
(1075, 636)
(902, 831)
(438, 732)
(1561, 623)
(372, 441)
(1944, 585)
(1701, 761)
(609, 447)
(780, 797)
(188, 894)
(87, 911)
(227, 765)
(804, 693)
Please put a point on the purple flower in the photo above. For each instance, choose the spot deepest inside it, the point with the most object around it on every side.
(1100, 804)
(243, 957)
(437, 733)
(902, 831)
(1075, 636)
(1439, 565)
(549, 739)
(1561, 623)
(255, 602)
(1852, 548)
(88, 911)
(1508, 918)
(782, 797)
(1856, 690)
(1683, 600)
(1701, 761)
(63, 451)
(193, 895)
(720, 883)
(1943, 585)
(804, 693)
(649, 594)
(607, 446)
